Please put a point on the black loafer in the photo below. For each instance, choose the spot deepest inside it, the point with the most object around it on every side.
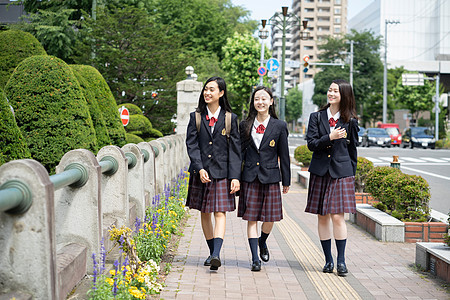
(264, 253)
(215, 263)
(207, 261)
(256, 266)
(342, 269)
(328, 268)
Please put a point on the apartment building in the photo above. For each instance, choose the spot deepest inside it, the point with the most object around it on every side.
(325, 18)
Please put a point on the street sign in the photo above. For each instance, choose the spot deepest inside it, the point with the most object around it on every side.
(272, 74)
(273, 64)
(262, 71)
(124, 115)
(292, 64)
(412, 79)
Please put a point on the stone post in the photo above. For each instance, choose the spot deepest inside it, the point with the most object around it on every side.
(136, 192)
(149, 173)
(28, 243)
(188, 92)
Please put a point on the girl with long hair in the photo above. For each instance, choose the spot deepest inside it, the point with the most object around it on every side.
(332, 136)
(215, 164)
(264, 149)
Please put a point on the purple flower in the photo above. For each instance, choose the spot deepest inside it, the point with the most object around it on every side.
(95, 271)
(125, 264)
(103, 255)
(137, 224)
(116, 266)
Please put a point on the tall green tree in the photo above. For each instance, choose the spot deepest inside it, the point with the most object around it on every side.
(367, 74)
(241, 61)
(293, 105)
(415, 98)
(136, 57)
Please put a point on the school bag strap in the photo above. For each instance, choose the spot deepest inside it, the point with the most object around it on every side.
(227, 122)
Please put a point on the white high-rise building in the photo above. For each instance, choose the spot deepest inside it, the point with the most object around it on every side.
(419, 40)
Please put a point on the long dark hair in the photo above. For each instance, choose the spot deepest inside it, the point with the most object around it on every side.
(223, 101)
(347, 104)
(253, 112)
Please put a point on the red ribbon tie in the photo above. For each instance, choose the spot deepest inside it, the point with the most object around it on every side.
(212, 121)
(260, 128)
(332, 122)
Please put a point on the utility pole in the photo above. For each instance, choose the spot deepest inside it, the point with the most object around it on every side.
(351, 62)
(386, 23)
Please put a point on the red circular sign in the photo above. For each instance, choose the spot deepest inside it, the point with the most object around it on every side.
(262, 71)
(124, 116)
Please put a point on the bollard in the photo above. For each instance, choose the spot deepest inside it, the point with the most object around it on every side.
(395, 163)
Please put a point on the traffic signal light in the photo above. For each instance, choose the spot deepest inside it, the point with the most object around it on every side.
(305, 63)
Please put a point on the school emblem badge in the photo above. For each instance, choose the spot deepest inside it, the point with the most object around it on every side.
(224, 132)
(345, 134)
(272, 143)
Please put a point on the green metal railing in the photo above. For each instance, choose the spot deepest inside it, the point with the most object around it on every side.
(16, 196)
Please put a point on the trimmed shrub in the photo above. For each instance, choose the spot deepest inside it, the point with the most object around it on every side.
(375, 178)
(406, 197)
(132, 138)
(303, 154)
(15, 46)
(88, 87)
(363, 167)
(12, 143)
(50, 109)
(107, 105)
(139, 124)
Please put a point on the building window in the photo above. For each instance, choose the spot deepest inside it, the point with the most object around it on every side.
(309, 10)
(337, 11)
(337, 2)
(308, 76)
(308, 47)
(324, 10)
(337, 29)
(337, 20)
(323, 19)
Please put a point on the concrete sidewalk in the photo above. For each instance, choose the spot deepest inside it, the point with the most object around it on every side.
(377, 270)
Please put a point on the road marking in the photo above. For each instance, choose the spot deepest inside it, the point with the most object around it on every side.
(329, 286)
(374, 160)
(427, 173)
(446, 158)
(413, 159)
(432, 159)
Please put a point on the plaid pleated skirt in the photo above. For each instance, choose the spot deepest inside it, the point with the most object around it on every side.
(260, 202)
(327, 195)
(210, 197)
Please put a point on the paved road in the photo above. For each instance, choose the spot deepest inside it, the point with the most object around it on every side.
(433, 165)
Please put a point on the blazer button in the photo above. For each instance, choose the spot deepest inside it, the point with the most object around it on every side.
(328, 155)
(210, 143)
(209, 156)
(257, 163)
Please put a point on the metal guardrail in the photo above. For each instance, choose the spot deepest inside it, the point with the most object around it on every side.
(16, 196)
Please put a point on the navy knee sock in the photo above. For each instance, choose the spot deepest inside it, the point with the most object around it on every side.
(263, 239)
(326, 247)
(254, 248)
(217, 246)
(340, 245)
(210, 243)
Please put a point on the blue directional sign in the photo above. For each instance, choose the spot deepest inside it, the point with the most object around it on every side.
(273, 64)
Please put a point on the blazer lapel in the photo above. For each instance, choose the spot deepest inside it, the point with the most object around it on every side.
(205, 123)
(220, 122)
(324, 120)
(267, 132)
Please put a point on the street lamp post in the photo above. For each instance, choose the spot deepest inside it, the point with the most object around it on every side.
(285, 19)
(263, 34)
(386, 23)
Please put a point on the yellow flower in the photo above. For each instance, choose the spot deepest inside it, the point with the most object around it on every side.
(112, 272)
(110, 281)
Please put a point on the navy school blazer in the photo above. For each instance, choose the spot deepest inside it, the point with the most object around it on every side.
(263, 162)
(338, 157)
(212, 152)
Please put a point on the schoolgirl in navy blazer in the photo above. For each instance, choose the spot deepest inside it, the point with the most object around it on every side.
(265, 150)
(215, 164)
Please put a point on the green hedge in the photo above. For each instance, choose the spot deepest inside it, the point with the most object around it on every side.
(12, 143)
(15, 46)
(81, 73)
(134, 139)
(107, 105)
(139, 124)
(363, 167)
(405, 197)
(303, 154)
(50, 109)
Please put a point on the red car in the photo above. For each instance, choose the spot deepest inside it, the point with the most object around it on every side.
(394, 132)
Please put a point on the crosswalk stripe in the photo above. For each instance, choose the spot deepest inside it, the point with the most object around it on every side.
(374, 160)
(433, 159)
(412, 159)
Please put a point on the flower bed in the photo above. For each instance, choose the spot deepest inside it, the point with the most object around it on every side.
(135, 273)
